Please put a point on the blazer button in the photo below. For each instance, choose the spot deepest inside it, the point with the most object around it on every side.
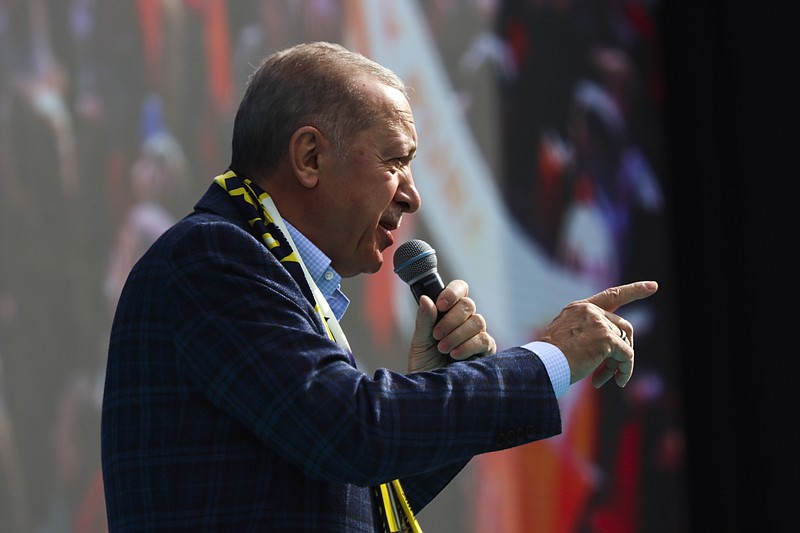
(511, 437)
(500, 440)
(530, 432)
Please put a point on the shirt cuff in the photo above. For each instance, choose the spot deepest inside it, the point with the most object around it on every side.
(555, 362)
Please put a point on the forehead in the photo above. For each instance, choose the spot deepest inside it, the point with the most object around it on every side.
(397, 119)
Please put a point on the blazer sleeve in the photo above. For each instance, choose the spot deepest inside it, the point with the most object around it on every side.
(250, 343)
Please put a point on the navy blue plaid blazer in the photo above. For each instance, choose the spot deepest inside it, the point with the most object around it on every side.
(228, 408)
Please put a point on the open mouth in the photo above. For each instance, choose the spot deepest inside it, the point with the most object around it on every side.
(388, 226)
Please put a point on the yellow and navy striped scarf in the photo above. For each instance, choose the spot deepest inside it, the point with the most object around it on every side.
(249, 201)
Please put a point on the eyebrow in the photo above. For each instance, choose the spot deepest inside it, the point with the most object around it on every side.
(401, 143)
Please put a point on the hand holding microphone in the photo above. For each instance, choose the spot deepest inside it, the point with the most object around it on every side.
(447, 327)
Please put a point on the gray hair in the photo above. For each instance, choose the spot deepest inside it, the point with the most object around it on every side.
(318, 84)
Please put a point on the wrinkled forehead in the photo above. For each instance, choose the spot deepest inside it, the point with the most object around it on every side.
(394, 107)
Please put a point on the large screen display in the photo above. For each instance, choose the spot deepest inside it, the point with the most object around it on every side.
(540, 166)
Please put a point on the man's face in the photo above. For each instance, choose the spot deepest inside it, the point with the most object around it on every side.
(370, 187)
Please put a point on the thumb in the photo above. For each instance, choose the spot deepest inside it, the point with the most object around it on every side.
(615, 297)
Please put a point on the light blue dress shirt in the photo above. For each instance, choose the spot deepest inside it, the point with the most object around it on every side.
(319, 267)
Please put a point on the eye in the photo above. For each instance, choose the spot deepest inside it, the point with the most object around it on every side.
(395, 164)
(401, 163)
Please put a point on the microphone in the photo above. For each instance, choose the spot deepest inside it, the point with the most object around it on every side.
(415, 263)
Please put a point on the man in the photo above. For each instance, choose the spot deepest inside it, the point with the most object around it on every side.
(232, 401)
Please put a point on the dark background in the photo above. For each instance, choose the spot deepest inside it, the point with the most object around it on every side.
(731, 118)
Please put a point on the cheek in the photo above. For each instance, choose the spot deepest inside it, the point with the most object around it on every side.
(365, 217)
(372, 202)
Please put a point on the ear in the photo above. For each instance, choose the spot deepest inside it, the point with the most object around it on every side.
(304, 150)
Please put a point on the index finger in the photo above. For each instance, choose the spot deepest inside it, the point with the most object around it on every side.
(452, 293)
(613, 298)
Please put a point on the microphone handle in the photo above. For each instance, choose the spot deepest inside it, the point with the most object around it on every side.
(430, 285)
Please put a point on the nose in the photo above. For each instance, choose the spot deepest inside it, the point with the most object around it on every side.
(407, 194)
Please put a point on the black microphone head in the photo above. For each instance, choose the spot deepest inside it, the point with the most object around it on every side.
(414, 259)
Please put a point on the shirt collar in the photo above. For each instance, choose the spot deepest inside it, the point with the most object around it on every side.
(319, 267)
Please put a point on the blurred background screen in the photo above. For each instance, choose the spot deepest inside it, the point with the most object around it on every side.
(541, 167)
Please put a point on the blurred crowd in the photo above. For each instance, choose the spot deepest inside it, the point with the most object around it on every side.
(115, 114)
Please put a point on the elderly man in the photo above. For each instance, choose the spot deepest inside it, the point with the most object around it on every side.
(232, 400)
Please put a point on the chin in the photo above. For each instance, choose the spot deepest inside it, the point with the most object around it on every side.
(372, 268)
(374, 264)
(365, 260)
